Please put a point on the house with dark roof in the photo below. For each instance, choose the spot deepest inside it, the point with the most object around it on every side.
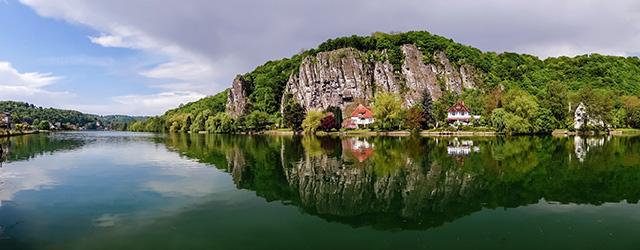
(360, 117)
(459, 114)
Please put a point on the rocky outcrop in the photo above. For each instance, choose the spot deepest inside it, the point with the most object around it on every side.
(418, 76)
(334, 78)
(384, 78)
(345, 76)
(237, 99)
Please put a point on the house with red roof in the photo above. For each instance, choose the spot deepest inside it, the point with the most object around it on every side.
(459, 114)
(360, 117)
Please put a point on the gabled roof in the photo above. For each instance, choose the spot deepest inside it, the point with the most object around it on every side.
(458, 107)
(362, 112)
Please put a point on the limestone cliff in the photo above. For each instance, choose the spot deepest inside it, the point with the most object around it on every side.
(348, 76)
(345, 76)
(334, 78)
(238, 97)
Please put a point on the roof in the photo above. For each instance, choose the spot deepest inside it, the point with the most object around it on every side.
(362, 112)
(458, 107)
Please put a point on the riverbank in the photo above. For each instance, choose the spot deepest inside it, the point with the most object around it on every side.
(8, 133)
(614, 132)
(366, 132)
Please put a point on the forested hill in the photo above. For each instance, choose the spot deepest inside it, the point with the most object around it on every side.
(25, 113)
(501, 82)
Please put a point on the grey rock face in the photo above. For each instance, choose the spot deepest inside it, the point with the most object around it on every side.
(384, 78)
(237, 100)
(418, 76)
(334, 78)
(345, 76)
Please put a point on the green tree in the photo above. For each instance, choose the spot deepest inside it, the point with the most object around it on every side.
(429, 119)
(545, 122)
(599, 103)
(387, 109)
(220, 123)
(257, 121)
(198, 123)
(43, 125)
(293, 114)
(313, 121)
(631, 105)
(414, 118)
(556, 100)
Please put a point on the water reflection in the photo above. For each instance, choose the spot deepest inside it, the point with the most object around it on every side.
(459, 147)
(415, 182)
(584, 145)
(359, 148)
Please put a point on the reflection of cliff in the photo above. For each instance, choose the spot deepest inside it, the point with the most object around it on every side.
(415, 183)
(341, 190)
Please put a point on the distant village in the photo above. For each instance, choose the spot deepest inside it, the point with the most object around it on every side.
(6, 123)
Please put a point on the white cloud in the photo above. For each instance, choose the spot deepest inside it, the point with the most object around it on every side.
(150, 104)
(10, 76)
(110, 41)
(18, 86)
(165, 99)
(206, 43)
(186, 70)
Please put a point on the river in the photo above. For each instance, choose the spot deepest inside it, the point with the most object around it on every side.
(117, 190)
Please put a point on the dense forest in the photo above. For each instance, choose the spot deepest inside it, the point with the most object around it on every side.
(25, 115)
(519, 93)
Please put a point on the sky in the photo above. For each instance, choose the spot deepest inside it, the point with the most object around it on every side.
(142, 57)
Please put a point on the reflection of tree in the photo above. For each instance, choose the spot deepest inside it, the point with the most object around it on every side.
(25, 147)
(413, 182)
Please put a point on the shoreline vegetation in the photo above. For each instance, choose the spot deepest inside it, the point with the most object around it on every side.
(437, 133)
(9, 133)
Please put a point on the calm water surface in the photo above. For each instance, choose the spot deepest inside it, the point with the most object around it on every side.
(108, 190)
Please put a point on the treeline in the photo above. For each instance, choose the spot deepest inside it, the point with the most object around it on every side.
(518, 93)
(192, 116)
(29, 116)
(25, 115)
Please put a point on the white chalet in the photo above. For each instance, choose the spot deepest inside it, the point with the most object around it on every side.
(459, 114)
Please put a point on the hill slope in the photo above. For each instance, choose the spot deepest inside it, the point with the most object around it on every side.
(349, 70)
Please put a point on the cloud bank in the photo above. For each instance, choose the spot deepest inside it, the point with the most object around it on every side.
(206, 43)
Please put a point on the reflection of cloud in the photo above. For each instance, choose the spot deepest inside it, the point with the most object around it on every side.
(107, 220)
(18, 178)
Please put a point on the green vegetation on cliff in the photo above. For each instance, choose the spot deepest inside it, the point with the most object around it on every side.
(550, 88)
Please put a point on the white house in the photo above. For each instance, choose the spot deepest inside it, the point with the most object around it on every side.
(460, 114)
(582, 117)
(360, 117)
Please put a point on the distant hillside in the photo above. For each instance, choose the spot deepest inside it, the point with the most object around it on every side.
(120, 122)
(29, 113)
(22, 112)
(345, 71)
(204, 107)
